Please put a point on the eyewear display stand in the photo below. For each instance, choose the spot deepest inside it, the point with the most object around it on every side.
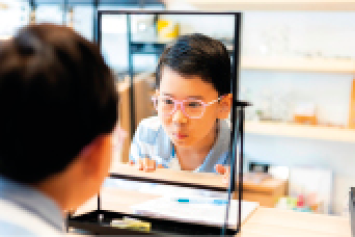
(98, 221)
(352, 210)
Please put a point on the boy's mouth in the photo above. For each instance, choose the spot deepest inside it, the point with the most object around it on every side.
(179, 136)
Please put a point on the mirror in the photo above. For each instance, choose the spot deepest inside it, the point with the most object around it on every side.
(177, 122)
(133, 44)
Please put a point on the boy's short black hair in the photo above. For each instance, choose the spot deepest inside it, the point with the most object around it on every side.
(56, 95)
(199, 55)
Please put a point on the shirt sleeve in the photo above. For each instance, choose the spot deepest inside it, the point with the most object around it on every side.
(147, 142)
(135, 150)
(143, 142)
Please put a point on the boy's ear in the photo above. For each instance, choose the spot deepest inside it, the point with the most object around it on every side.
(92, 156)
(224, 106)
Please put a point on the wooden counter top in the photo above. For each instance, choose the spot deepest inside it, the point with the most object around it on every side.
(116, 200)
(270, 222)
(263, 222)
(187, 177)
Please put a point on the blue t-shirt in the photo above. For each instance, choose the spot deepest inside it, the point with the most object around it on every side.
(151, 141)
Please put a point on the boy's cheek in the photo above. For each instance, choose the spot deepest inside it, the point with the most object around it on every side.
(163, 119)
(166, 121)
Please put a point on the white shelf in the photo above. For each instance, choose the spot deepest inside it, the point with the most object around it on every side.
(300, 131)
(299, 65)
(267, 5)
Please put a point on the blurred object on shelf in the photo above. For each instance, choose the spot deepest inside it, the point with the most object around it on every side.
(258, 171)
(299, 204)
(308, 203)
(261, 185)
(279, 172)
(251, 113)
(3, 6)
(32, 17)
(303, 119)
(268, 105)
(256, 177)
(265, 105)
(305, 113)
(274, 41)
(143, 28)
(352, 106)
(312, 187)
(258, 167)
(280, 108)
(283, 204)
(71, 18)
(167, 30)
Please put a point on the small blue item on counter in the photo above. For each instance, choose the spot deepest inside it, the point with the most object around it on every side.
(202, 201)
(302, 209)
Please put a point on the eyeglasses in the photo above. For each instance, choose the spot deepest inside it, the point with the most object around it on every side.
(191, 108)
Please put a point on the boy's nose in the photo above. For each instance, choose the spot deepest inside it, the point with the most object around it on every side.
(179, 116)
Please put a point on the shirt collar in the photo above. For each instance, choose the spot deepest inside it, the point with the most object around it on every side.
(220, 146)
(32, 201)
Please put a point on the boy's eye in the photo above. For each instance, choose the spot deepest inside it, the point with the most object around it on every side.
(194, 104)
(168, 101)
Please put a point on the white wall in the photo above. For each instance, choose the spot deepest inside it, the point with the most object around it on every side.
(329, 92)
(329, 34)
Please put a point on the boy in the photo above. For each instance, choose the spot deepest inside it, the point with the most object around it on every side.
(193, 99)
(58, 108)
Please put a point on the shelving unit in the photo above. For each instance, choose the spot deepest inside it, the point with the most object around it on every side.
(300, 131)
(155, 47)
(318, 65)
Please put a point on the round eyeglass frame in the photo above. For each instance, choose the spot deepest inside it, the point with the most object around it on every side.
(182, 107)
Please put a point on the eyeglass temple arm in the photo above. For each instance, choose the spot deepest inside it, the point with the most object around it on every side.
(214, 101)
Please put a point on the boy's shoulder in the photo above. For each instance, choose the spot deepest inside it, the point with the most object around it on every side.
(152, 123)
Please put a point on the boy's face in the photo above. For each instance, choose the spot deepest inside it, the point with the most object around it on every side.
(182, 130)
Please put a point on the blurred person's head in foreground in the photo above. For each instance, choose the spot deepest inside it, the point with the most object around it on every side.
(58, 108)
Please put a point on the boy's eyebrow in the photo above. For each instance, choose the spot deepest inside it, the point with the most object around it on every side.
(198, 97)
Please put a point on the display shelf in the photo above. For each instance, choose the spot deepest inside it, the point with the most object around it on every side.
(300, 131)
